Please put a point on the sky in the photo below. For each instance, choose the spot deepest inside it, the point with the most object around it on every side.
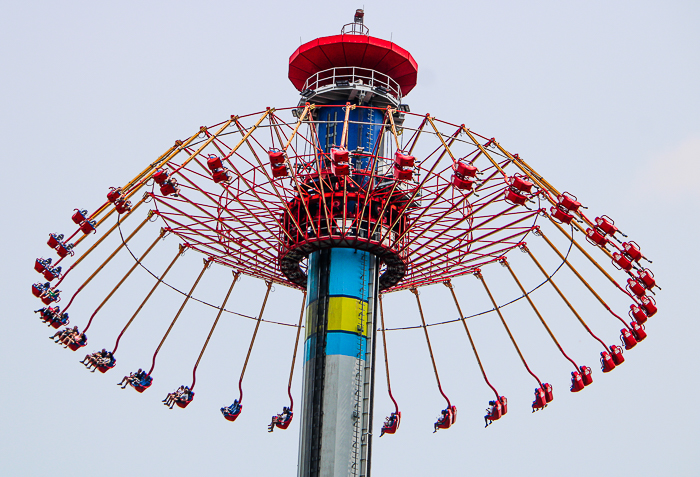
(600, 97)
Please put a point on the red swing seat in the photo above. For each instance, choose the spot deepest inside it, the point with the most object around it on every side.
(627, 338)
(448, 417)
(576, 382)
(606, 362)
(515, 198)
(114, 193)
(184, 402)
(617, 356)
(79, 216)
(232, 415)
(586, 375)
(391, 424)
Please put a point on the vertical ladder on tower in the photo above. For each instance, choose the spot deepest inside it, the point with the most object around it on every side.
(358, 401)
(368, 374)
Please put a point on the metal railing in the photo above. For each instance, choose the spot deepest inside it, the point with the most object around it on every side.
(354, 29)
(349, 76)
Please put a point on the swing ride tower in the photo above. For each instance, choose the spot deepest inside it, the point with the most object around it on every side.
(357, 79)
(346, 196)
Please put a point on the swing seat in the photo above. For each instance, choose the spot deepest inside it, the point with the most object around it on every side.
(462, 183)
(169, 188)
(340, 156)
(560, 216)
(106, 367)
(606, 224)
(184, 402)
(606, 362)
(627, 339)
(548, 394)
(391, 424)
(53, 240)
(50, 274)
(214, 163)
(402, 174)
(633, 250)
(276, 157)
(617, 356)
(160, 176)
(586, 375)
(79, 216)
(635, 287)
(513, 197)
(404, 160)
(540, 401)
(649, 305)
(340, 169)
(576, 382)
(40, 265)
(279, 171)
(47, 299)
(466, 170)
(232, 412)
(74, 346)
(639, 333)
(220, 176)
(284, 420)
(142, 384)
(569, 202)
(122, 206)
(63, 250)
(449, 416)
(637, 314)
(114, 193)
(520, 183)
(495, 411)
(647, 278)
(596, 238)
(504, 405)
(37, 289)
(621, 261)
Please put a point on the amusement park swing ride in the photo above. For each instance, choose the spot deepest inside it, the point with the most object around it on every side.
(348, 196)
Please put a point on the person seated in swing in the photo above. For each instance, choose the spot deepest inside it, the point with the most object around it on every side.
(280, 420)
(173, 396)
(131, 378)
(444, 418)
(232, 410)
(390, 424)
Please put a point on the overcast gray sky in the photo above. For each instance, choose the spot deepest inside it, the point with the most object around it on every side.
(600, 97)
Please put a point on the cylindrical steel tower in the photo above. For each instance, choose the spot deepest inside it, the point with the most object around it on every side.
(343, 280)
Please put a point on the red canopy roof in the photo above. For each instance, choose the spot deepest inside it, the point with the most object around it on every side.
(353, 50)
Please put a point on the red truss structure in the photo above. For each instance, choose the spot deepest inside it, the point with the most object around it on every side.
(259, 193)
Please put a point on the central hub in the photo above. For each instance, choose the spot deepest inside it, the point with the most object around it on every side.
(345, 217)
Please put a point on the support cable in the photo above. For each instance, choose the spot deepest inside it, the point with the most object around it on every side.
(252, 342)
(590, 288)
(180, 252)
(448, 284)
(539, 315)
(94, 274)
(236, 276)
(480, 277)
(207, 264)
(294, 356)
(430, 348)
(591, 259)
(561, 294)
(386, 359)
(116, 287)
(99, 241)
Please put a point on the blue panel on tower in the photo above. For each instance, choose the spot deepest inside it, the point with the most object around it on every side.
(349, 269)
(346, 344)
